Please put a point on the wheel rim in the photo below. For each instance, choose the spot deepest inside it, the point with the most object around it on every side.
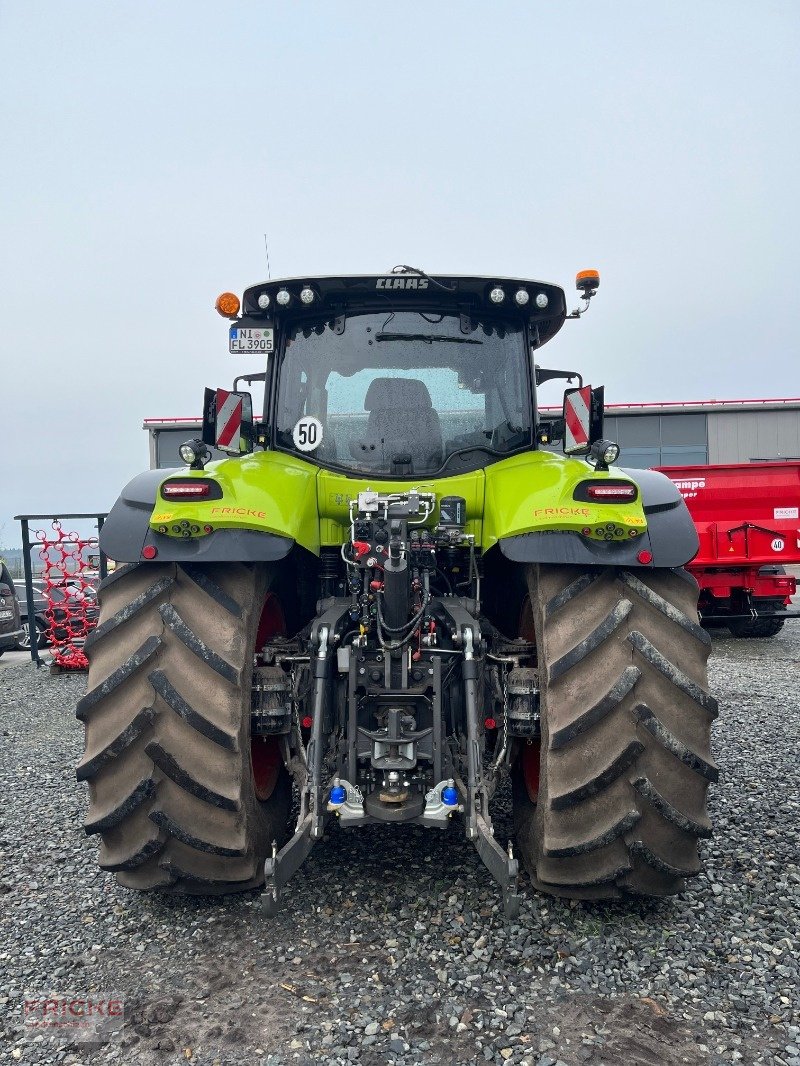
(265, 756)
(527, 630)
(25, 639)
(531, 754)
(531, 757)
(272, 622)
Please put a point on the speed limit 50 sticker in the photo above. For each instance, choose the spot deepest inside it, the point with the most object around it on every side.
(307, 433)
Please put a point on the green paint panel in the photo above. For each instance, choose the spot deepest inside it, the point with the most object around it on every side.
(534, 491)
(336, 490)
(280, 493)
(267, 491)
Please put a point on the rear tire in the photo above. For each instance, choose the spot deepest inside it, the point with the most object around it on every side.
(167, 721)
(625, 751)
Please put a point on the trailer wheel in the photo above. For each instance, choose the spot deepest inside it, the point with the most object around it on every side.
(758, 627)
(625, 747)
(178, 797)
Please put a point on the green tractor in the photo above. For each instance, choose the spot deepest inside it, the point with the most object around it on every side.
(392, 596)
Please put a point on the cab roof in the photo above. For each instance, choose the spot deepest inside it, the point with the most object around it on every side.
(545, 307)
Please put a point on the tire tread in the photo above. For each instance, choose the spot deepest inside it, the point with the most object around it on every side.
(167, 755)
(621, 805)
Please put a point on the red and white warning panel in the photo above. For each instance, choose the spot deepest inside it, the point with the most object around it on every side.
(577, 419)
(229, 420)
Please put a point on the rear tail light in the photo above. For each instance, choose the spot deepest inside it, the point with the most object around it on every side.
(608, 493)
(185, 490)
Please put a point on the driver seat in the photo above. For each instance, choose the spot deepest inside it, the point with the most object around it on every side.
(401, 421)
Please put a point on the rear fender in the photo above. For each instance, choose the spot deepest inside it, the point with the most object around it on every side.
(259, 508)
(670, 537)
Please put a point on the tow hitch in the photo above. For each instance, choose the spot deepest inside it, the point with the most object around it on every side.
(434, 807)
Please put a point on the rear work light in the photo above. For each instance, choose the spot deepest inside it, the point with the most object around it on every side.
(185, 490)
(608, 493)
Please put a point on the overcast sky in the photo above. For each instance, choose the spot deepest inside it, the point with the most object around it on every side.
(147, 147)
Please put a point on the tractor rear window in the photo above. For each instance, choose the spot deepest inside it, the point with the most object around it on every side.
(401, 393)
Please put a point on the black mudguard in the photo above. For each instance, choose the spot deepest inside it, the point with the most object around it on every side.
(671, 536)
(127, 530)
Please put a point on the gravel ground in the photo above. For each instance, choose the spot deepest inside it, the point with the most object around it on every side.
(395, 949)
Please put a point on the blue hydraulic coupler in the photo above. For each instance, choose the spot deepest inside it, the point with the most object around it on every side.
(450, 795)
(338, 794)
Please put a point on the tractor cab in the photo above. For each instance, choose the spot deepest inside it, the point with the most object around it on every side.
(398, 376)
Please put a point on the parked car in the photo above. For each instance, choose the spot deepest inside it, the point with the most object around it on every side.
(10, 622)
(82, 603)
(39, 607)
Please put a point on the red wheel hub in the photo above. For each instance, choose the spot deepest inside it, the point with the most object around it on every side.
(527, 630)
(272, 622)
(531, 760)
(266, 759)
(265, 755)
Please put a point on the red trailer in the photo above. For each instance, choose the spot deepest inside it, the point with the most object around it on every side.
(748, 519)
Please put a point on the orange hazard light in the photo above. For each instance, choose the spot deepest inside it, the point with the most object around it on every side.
(228, 304)
(587, 280)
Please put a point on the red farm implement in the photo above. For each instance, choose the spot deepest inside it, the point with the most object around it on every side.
(748, 519)
(62, 570)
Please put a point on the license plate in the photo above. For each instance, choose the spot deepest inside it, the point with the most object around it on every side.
(5, 615)
(246, 339)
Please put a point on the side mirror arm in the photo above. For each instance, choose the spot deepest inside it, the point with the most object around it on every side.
(549, 375)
